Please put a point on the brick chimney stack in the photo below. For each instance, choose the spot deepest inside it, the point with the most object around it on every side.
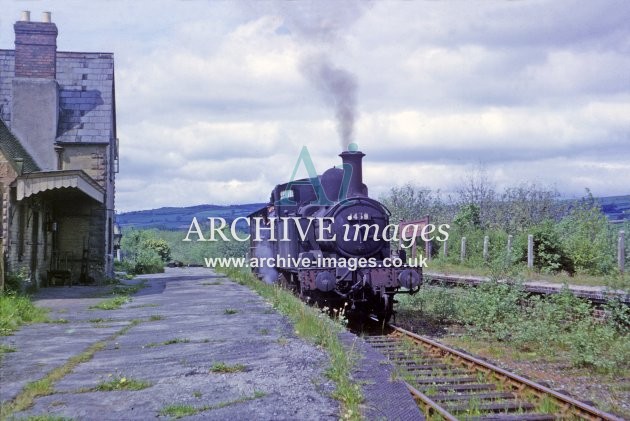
(35, 48)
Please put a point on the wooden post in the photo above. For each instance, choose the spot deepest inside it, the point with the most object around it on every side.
(428, 249)
(530, 251)
(445, 249)
(509, 244)
(621, 251)
(462, 256)
(486, 240)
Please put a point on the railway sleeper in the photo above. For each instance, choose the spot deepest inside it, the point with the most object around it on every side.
(421, 367)
(445, 397)
(459, 387)
(443, 380)
(440, 372)
(513, 417)
(416, 362)
(507, 406)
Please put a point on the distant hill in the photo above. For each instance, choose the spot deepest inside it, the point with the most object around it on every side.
(616, 208)
(172, 218)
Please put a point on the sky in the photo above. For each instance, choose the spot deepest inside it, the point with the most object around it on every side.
(216, 99)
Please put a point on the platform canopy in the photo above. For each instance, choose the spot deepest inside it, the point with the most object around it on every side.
(42, 181)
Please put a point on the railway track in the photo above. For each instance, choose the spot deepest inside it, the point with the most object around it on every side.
(451, 385)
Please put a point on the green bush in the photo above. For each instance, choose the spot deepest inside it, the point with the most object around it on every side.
(549, 253)
(16, 310)
(550, 325)
(588, 239)
(143, 252)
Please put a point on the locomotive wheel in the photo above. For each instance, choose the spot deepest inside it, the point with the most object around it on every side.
(386, 309)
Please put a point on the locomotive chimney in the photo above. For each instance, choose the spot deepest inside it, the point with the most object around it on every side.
(352, 167)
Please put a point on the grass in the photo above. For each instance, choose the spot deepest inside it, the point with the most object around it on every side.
(156, 317)
(230, 311)
(45, 418)
(121, 383)
(57, 321)
(122, 295)
(317, 328)
(168, 342)
(145, 305)
(100, 320)
(111, 303)
(211, 283)
(504, 315)
(616, 282)
(17, 310)
(180, 410)
(176, 341)
(45, 385)
(6, 349)
(222, 367)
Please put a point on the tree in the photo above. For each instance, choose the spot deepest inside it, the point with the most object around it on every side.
(587, 237)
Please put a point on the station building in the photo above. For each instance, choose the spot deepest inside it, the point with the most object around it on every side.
(58, 158)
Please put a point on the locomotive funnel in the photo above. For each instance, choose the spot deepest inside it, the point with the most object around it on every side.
(352, 168)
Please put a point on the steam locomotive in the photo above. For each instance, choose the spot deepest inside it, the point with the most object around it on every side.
(318, 268)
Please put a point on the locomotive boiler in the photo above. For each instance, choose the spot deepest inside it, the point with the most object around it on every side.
(327, 240)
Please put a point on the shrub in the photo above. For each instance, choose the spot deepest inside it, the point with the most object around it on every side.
(14, 282)
(586, 236)
(549, 253)
(16, 310)
(144, 253)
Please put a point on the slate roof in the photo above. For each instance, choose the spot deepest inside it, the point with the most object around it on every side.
(86, 95)
(12, 149)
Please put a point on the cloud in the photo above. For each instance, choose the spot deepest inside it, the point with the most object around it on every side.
(212, 105)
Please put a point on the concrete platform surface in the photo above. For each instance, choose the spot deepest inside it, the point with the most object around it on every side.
(188, 320)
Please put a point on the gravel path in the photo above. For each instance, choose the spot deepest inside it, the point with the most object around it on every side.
(188, 320)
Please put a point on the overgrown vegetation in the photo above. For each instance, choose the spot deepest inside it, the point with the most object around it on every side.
(144, 252)
(184, 252)
(121, 383)
(16, 310)
(553, 326)
(316, 327)
(45, 386)
(121, 295)
(181, 410)
(168, 342)
(570, 237)
(222, 367)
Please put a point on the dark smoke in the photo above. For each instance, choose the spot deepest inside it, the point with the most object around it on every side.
(319, 26)
(339, 90)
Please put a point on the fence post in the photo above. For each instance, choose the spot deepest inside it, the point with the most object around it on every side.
(509, 245)
(486, 240)
(462, 256)
(530, 251)
(445, 248)
(621, 251)
(429, 250)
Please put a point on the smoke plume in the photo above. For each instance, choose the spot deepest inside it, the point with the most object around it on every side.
(319, 26)
(339, 89)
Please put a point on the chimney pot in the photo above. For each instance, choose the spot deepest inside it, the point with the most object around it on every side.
(26, 16)
(46, 17)
(35, 49)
